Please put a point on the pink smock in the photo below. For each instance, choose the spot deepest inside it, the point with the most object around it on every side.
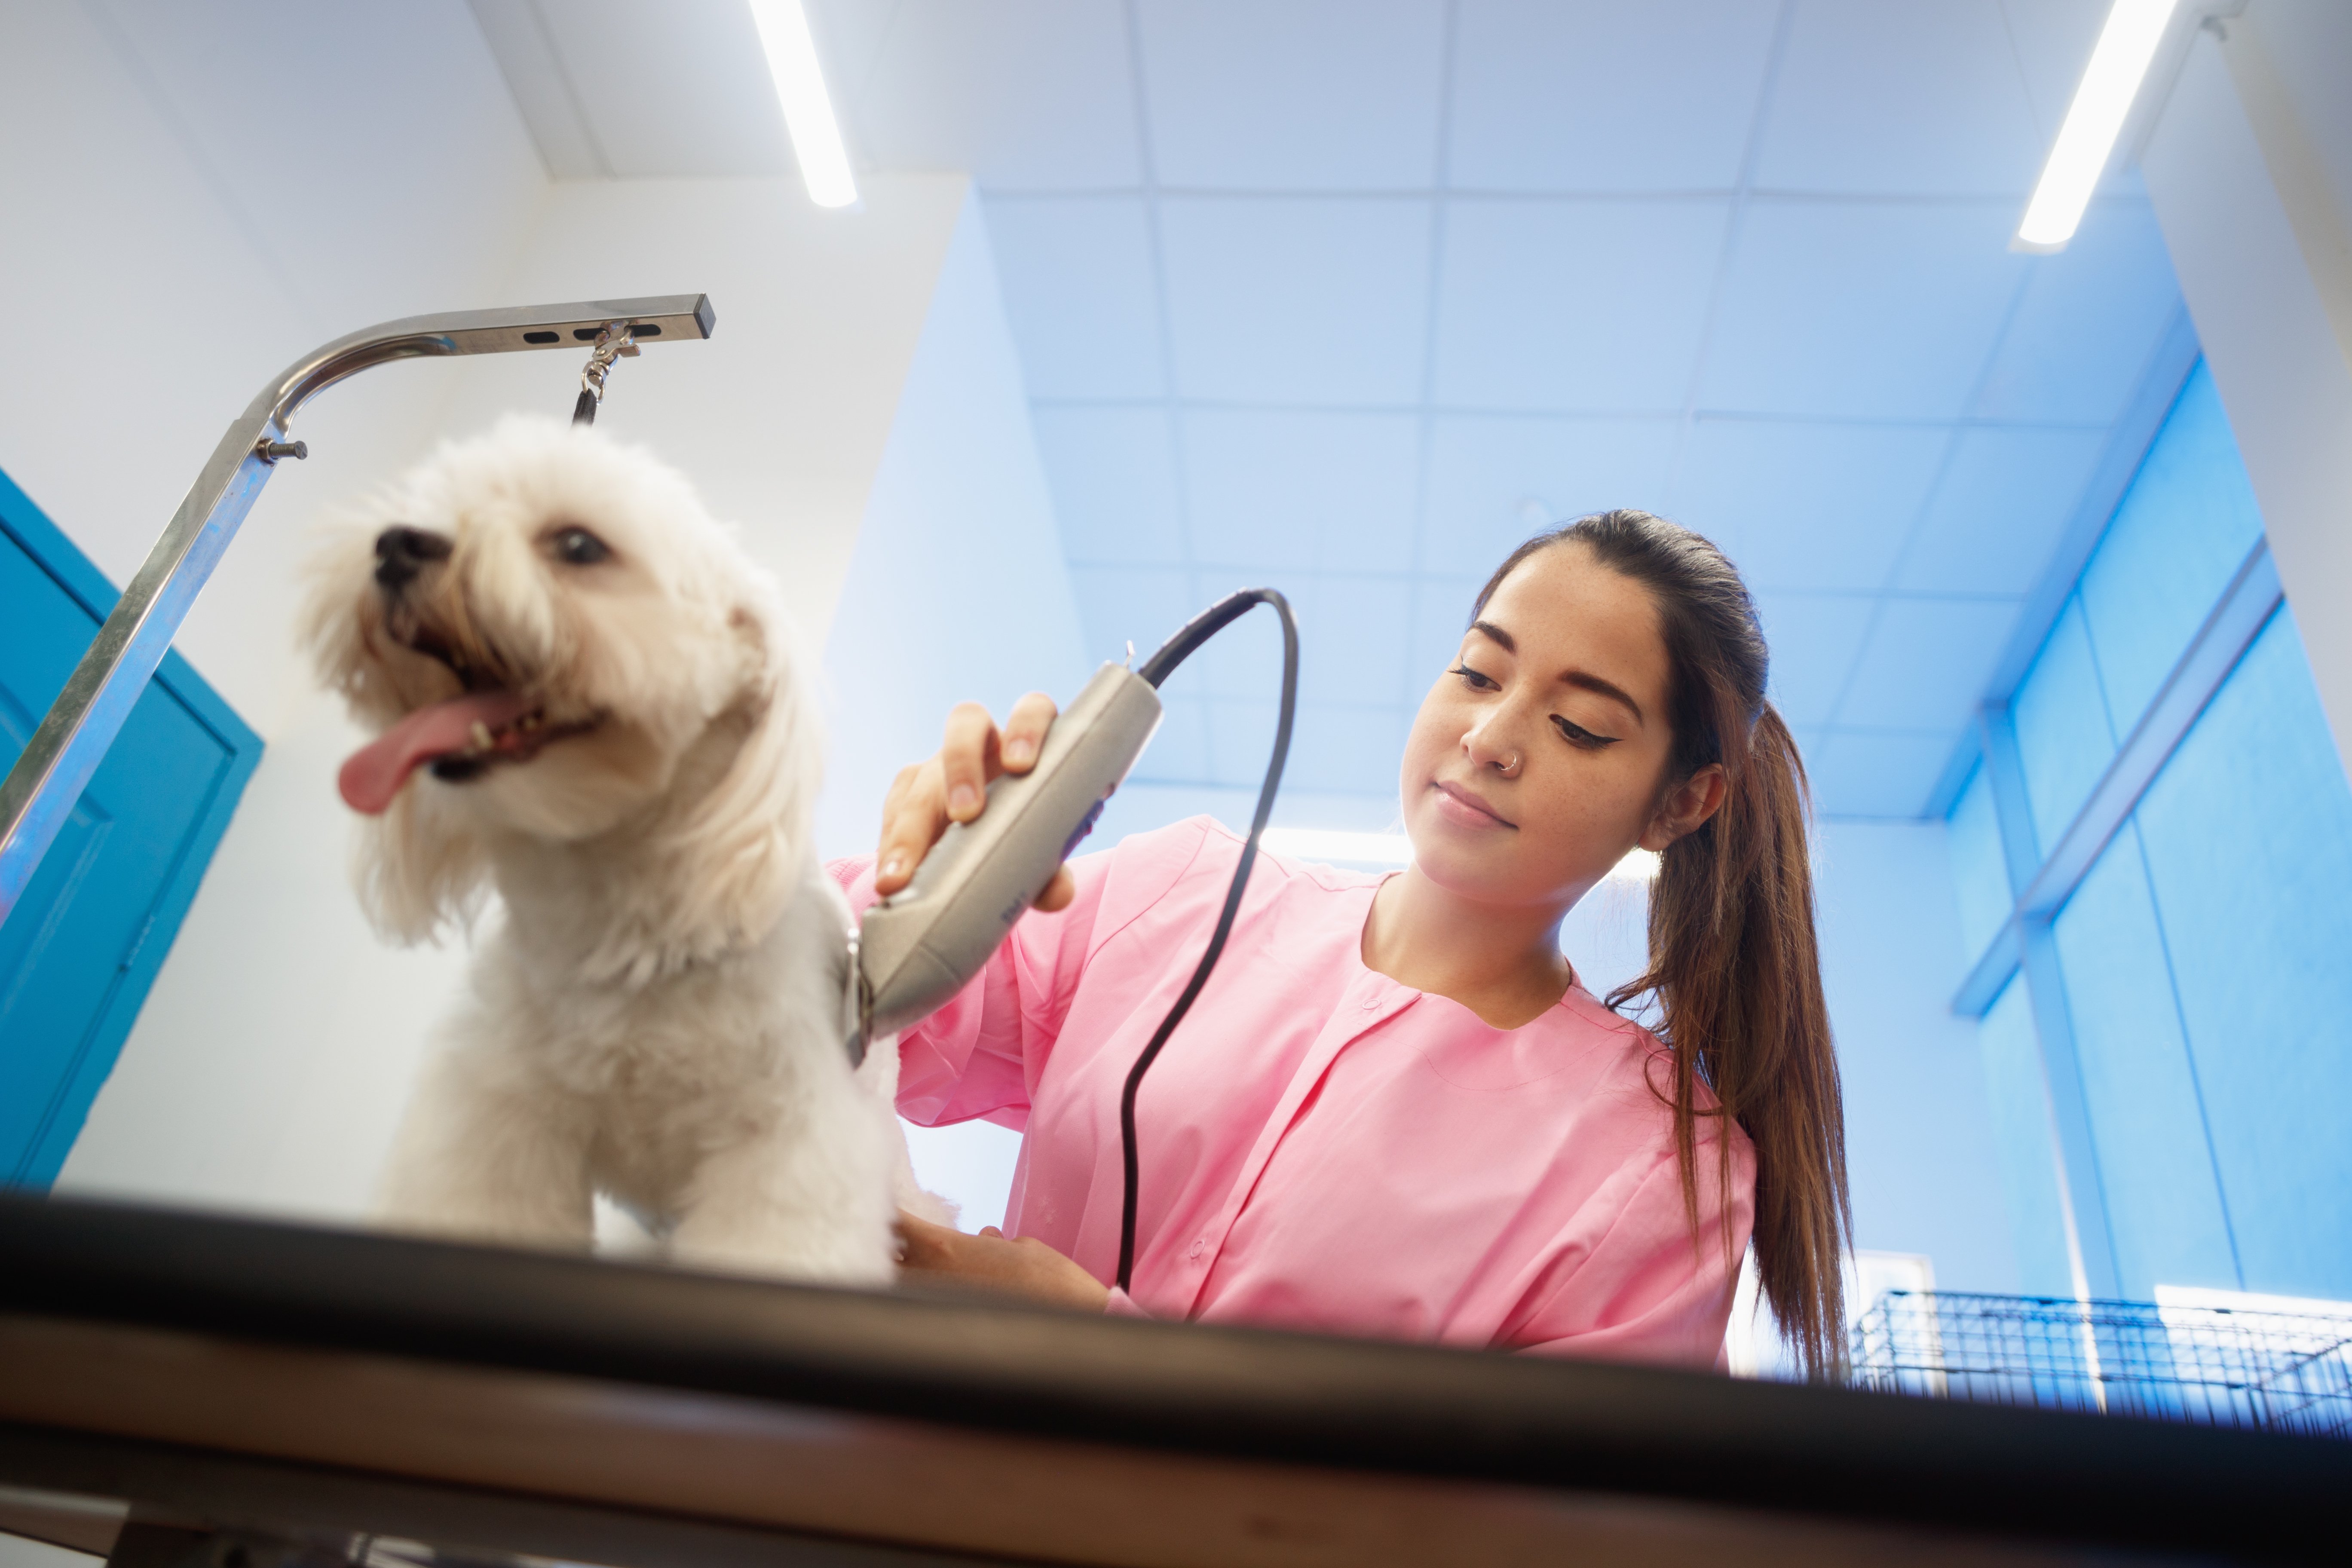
(1320, 1147)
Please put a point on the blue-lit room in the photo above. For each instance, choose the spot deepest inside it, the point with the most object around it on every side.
(1679, 669)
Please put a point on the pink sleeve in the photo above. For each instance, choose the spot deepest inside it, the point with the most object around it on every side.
(1645, 1291)
(1122, 1305)
(978, 1054)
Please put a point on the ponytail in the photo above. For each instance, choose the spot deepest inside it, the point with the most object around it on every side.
(1734, 966)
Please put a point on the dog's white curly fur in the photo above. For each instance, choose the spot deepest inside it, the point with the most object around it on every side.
(654, 1010)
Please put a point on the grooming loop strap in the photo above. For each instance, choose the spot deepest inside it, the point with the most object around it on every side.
(617, 341)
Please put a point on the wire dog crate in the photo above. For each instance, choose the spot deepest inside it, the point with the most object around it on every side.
(2214, 1366)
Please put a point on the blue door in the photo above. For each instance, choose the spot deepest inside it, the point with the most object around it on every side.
(83, 945)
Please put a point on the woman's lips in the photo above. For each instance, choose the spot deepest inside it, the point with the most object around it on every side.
(1459, 806)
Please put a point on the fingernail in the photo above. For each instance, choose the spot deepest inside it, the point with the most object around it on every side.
(961, 799)
(1019, 750)
(890, 867)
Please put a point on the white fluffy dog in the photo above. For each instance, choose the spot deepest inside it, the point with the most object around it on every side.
(587, 705)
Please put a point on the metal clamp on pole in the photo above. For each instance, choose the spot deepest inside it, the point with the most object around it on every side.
(98, 697)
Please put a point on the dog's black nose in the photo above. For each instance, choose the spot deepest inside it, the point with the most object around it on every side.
(401, 551)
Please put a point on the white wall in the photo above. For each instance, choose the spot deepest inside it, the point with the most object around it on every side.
(2250, 169)
(274, 1053)
(1921, 1160)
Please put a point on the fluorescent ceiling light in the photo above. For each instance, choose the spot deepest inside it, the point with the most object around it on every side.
(1396, 850)
(2126, 44)
(808, 108)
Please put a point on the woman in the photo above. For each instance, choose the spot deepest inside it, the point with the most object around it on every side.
(1393, 1111)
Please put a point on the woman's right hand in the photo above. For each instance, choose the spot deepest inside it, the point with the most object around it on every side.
(952, 786)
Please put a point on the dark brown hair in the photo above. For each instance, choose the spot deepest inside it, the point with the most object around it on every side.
(1733, 966)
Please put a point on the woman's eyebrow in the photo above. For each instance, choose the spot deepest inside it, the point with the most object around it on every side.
(1576, 678)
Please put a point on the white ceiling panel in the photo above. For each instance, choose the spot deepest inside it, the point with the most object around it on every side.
(1808, 506)
(1814, 640)
(1113, 472)
(1334, 749)
(1293, 94)
(1494, 479)
(1274, 299)
(1301, 490)
(1077, 277)
(1350, 649)
(1142, 605)
(2054, 39)
(1022, 94)
(1597, 95)
(1179, 752)
(1441, 612)
(1999, 510)
(1575, 306)
(1862, 310)
(1919, 97)
(1925, 663)
(2092, 315)
(673, 90)
(1242, 662)
(1861, 773)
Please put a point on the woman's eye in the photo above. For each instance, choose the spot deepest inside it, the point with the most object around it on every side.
(578, 547)
(1578, 735)
(1473, 680)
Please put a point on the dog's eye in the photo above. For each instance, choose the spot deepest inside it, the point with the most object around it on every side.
(578, 547)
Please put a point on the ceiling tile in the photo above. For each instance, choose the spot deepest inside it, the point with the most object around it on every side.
(1025, 94)
(1179, 751)
(1119, 605)
(1922, 98)
(1860, 773)
(1113, 472)
(2054, 39)
(1441, 612)
(1925, 663)
(1814, 640)
(1495, 480)
(1597, 95)
(1334, 749)
(1808, 506)
(1077, 274)
(1298, 301)
(671, 89)
(1245, 660)
(2093, 316)
(1583, 306)
(1293, 94)
(1998, 510)
(1276, 489)
(1349, 649)
(1865, 310)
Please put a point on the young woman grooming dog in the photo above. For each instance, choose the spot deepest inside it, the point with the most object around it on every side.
(1393, 1112)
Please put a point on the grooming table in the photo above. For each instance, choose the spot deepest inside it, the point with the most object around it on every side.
(250, 1395)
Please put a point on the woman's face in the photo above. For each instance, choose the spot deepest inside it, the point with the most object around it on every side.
(1540, 758)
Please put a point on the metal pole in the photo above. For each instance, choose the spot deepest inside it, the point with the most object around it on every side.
(98, 697)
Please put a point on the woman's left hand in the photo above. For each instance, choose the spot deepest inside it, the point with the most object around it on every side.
(1027, 1267)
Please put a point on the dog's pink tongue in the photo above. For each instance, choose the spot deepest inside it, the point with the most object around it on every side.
(373, 774)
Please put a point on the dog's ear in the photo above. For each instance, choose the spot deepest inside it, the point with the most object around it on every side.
(419, 867)
(746, 841)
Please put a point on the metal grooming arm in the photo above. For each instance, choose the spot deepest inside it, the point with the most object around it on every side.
(82, 723)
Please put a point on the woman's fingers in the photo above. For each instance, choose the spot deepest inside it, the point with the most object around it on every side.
(1059, 891)
(953, 787)
(967, 760)
(1024, 730)
(914, 814)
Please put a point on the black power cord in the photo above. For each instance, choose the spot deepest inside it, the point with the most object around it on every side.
(1155, 669)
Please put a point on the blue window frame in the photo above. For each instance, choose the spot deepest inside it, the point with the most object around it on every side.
(2185, 985)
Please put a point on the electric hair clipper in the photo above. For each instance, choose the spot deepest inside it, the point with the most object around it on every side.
(920, 945)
